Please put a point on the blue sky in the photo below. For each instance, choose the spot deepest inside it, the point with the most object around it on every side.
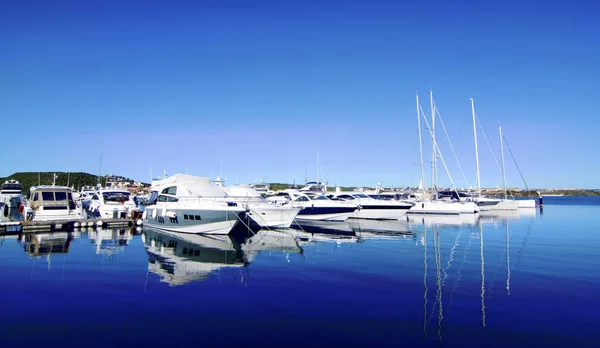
(263, 86)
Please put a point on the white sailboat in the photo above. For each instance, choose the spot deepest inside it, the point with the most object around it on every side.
(436, 206)
(484, 203)
(505, 204)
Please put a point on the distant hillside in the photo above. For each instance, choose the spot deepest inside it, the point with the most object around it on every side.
(76, 180)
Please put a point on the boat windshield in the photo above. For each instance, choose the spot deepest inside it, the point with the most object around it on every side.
(115, 197)
(361, 195)
(320, 198)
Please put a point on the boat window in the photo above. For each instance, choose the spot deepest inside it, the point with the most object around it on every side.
(162, 198)
(185, 216)
(360, 195)
(35, 196)
(60, 196)
(47, 196)
(170, 190)
(345, 197)
(320, 198)
(95, 197)
(302, 199)
(172, 199)
(115, 196)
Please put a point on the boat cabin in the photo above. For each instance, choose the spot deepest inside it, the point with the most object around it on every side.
(51, 198)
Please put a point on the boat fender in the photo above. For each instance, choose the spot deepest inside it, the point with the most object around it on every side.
(21, 208)
(144, 215)
(154, 213)
(164, 211)
(171, 214)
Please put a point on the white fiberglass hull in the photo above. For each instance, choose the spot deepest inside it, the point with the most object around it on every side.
(377, 213)
(57, 216)
(189, 220)
(324, 217)
(273, 216)
(526, 203)
(435, 208)
(506, 204)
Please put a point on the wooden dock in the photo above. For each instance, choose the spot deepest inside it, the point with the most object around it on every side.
(17, 227)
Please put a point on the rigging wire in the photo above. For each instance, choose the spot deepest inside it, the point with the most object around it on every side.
(450, 142)
(513, 157)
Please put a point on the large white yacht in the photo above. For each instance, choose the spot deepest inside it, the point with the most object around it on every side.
(263, 212)
(371, 208)
(51, 203)
(190, 204)
(315, 206)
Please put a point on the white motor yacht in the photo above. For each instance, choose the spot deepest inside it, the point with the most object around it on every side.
(263, 212)
(190, 204)
(371, 208)
(110, 203)
(315, 206)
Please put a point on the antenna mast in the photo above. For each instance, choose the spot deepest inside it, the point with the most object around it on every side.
(476, 149)
(420, 147)
(503, 169)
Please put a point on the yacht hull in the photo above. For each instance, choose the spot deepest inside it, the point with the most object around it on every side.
(325, 213)
(506, 205)
(526, 203)
(378, 212)
(196, 221)
(273, 217)
(435, 208)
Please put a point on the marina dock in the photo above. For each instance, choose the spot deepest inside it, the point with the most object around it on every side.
(16, 227)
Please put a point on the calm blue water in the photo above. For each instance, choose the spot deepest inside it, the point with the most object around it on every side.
(525, 279)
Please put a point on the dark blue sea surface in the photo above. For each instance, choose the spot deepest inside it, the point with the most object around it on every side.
(528, 278)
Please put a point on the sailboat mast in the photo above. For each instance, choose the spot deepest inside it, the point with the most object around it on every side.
(317, 168)
(502, 151)
(476, 149)
(420, 147)
(100, 169)
(434, 147)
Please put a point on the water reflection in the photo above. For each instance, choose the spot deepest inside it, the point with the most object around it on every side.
(179, 258)
(113, 240)
(447, 249)
(45, 244)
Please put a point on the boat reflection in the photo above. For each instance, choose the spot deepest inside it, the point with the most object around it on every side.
(442, 220)
(324, 227)
(111, 240)
(180, 258)
(443, 266)
(380, 229)
(45, 244)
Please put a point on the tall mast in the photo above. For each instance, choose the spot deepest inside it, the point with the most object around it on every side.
(317, 168)
(420, 147)
(434, 147)
(476, 150)
(502, 151)
(100, 170)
